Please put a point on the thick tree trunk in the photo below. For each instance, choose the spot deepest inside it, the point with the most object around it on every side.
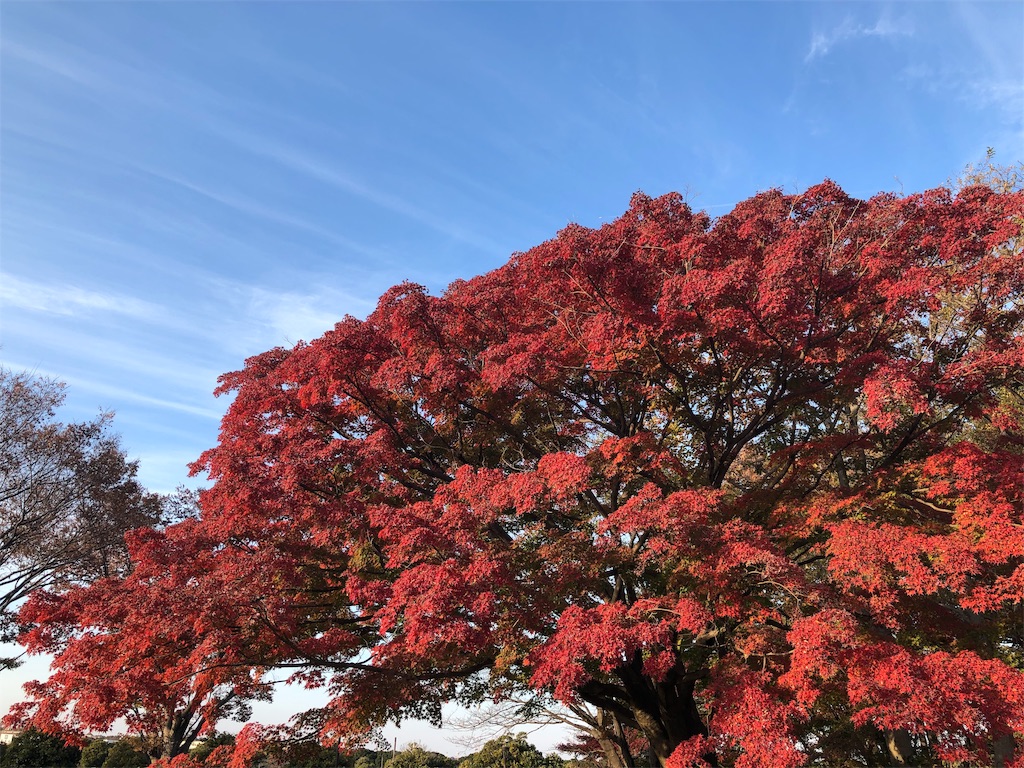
(177, 737)
(611, 753)
(900, 746)
(167, 739)
(667, 714)
(1003, 750)
(665, 737)
(622, 742)
(612, 740)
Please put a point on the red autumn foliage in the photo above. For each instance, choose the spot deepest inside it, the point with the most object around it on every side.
(156, 648)
(755, 486)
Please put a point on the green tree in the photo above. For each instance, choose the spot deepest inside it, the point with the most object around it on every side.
(306, 753)
(123, 754)
(35, 749)
(510, 752)
(415, 756)
(94, 754)
(203, 748)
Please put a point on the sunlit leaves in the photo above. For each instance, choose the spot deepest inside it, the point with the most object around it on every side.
(752, 485)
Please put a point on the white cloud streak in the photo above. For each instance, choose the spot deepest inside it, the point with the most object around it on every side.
(53, 64)
(265, 318)
(293, 316)
(184, 98)
(886, 27)
(249, 207)
(119, 394)
(323, 171)
(70, 300)
(976, 89)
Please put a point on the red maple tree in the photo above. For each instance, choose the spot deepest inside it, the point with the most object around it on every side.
(156, 648)
(752, 486)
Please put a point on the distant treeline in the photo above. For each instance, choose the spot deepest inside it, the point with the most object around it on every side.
(34, 749)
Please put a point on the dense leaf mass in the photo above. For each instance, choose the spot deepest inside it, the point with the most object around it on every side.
(154, 649)
(751, 485)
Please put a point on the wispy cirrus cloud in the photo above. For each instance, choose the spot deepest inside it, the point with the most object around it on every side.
(233, 319)
(978, 87)
(257, 210)
(294, 316)
(125, 394)
(268, 318)
(1007, 95)
(143, 356)
(70, 300)
(114, 393)
(822, 42)
(54, 64)
(326, 172)
(107, 74)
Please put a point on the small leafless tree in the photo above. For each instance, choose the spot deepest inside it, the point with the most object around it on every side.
(597, 732)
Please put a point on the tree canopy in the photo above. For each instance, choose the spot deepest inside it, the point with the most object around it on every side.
(33, 749)
(123, 754)
(752, 486)
(510, 752)
(94, 754)
(68, 494)
(140, 648)
(415, 756)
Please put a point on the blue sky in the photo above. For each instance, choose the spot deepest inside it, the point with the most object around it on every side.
(186, 184)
